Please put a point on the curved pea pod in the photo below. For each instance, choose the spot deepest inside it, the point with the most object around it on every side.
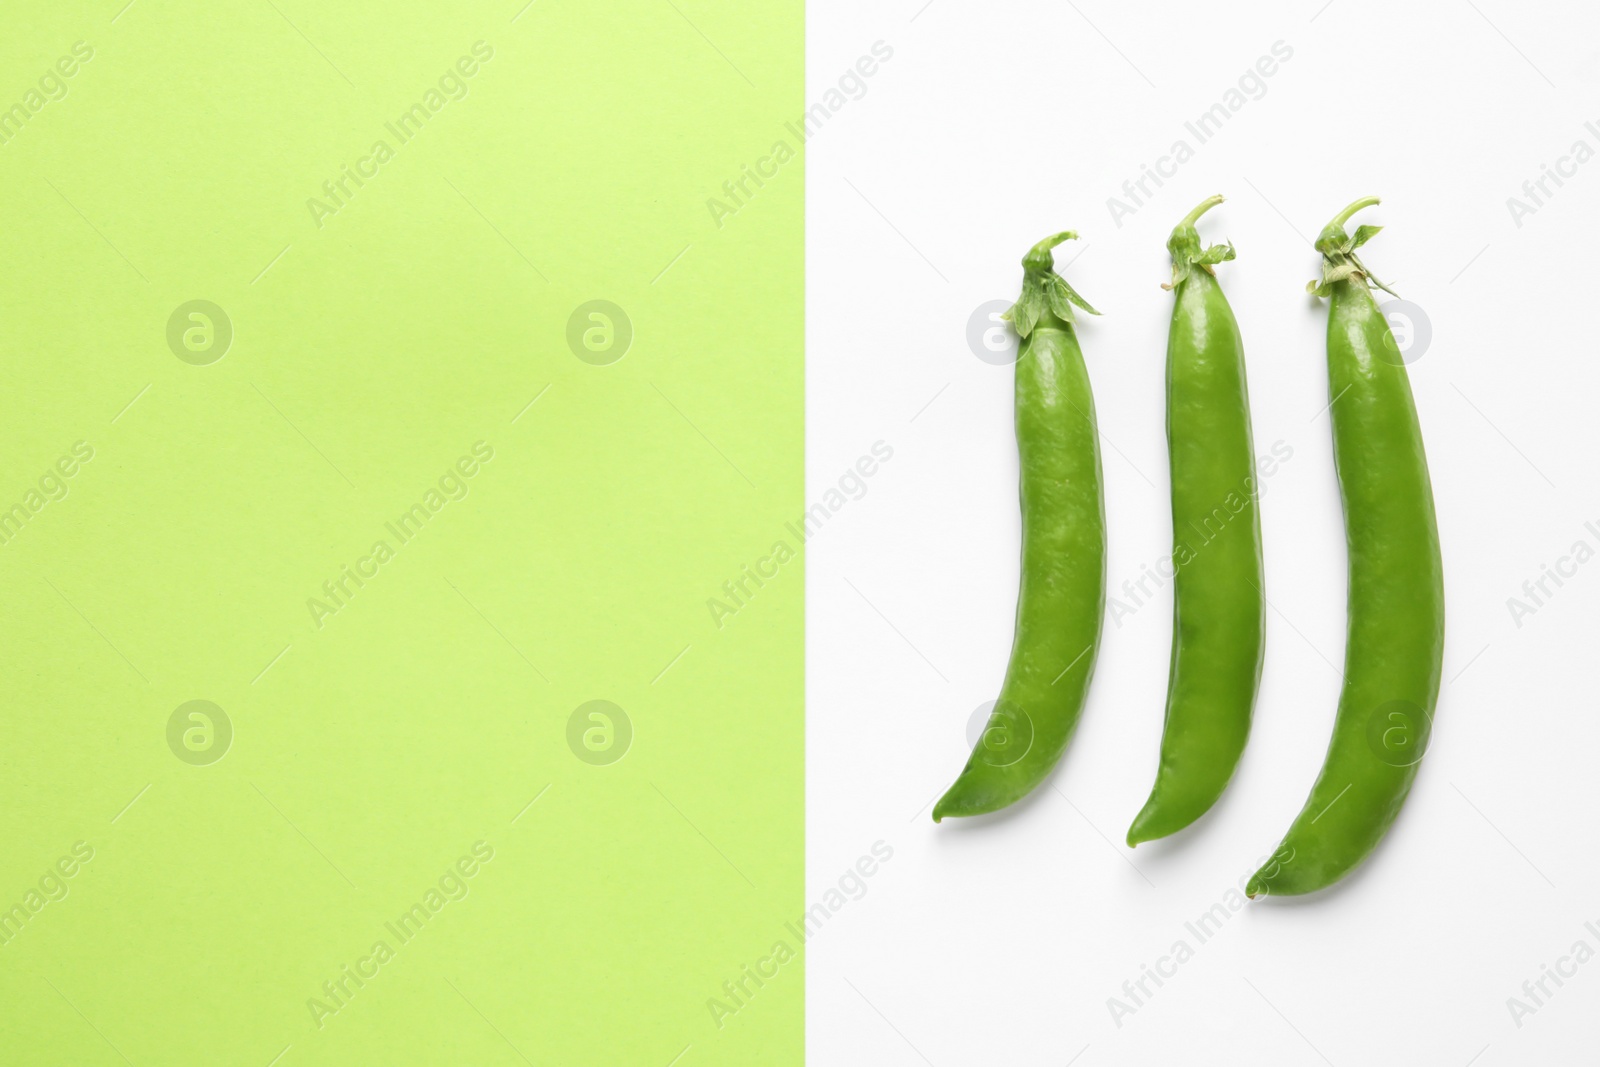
(1395, 639)
(1061, 601)
(1218, 620)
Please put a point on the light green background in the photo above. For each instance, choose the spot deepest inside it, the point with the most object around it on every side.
(368, 355)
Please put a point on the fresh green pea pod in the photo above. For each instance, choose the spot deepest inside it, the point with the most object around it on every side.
(1218, 620)
(1061, 601)
(1395, 641)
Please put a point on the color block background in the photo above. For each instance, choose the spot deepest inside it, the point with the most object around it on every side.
(372, 348)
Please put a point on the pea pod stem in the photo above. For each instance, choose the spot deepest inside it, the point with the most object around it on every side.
(1350, 209)
(1041, 256)
(1339, 250)
(1200, 209)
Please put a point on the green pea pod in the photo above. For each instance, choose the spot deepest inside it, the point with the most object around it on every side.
(1395, 641)
(1062, 597)
(1217, 611)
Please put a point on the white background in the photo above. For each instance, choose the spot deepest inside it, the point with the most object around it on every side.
(1000, 940)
